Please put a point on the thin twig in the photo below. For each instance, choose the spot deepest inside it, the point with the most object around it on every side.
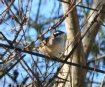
(6, 71)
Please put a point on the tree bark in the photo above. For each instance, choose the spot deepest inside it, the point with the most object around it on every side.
(73, 75)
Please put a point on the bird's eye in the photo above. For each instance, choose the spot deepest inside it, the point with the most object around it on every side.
(57, 33)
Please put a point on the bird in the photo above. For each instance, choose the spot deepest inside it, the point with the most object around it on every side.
(54, 45)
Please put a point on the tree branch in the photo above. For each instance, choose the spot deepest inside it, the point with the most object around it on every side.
(53, 59)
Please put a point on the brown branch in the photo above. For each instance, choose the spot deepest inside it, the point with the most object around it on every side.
(39, 84)
(90, 8)
(4, 72)
(82, 6)
(53, 59)
(8, 8)
(25, 70)
(96, 59)
(9, 42)
(17, 34)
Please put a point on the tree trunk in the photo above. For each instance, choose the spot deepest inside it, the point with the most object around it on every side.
(72, 75)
